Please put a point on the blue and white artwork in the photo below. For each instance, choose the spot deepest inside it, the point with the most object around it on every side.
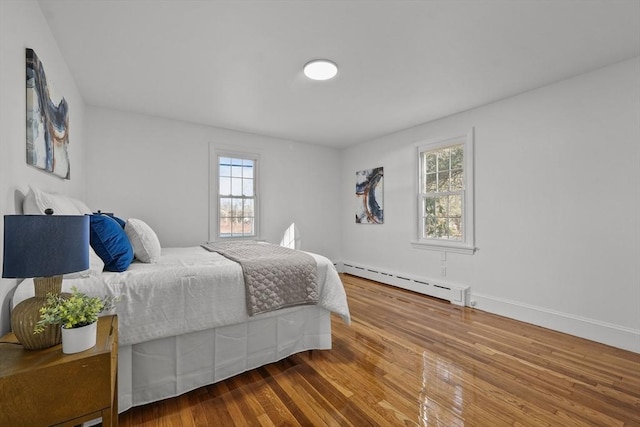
(47, 122)
(370, 196)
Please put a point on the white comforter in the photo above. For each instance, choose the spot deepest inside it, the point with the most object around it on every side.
(189, 289)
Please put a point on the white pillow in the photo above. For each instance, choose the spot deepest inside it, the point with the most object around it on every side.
(82, 208)
(146, 246)
(29, 206)
(37, 201)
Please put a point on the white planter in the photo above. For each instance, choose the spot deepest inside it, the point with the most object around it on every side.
(75, 340)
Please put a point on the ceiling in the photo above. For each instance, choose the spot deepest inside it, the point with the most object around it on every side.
(238, 64)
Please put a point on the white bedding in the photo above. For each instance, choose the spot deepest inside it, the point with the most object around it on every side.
(183, 322)
(188, 290)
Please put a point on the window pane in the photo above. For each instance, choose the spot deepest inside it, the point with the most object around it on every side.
(225, 207)
(429, 227)
(457, 157)
(457, 181)
(225, 226)
(247, 226)
(235, 229)
(236, 186)
(444, 156)
(440, 227)
(236, 171)
(236, 208)
(455, 206)
(455, 229)
(431, 183)
(430, 162)
(248, 208)
(429, 207)
(441, 206)
(247, 187)
(443, 181)
(247, 169)
(225, 186)
(225, 170)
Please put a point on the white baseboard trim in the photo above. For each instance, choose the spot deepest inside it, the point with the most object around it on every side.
(602, 332)
(594, 330)
(452, 292)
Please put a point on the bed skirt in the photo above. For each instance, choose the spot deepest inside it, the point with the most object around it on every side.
(168, 367)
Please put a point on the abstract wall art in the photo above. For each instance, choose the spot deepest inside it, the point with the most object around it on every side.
(47, 122)
(370, 196)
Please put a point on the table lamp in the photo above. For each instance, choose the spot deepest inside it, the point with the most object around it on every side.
(42, 247)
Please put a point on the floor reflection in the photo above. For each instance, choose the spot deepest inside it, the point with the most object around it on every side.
(441, 398)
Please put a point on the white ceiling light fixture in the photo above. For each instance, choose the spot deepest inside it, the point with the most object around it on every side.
(320, 69)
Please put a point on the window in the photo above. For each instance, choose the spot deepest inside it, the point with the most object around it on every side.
(442, 188)
(445, 195)
(237, 195)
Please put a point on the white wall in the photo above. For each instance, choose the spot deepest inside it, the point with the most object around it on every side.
(557, 175)
(158, 170)
(22, 25)
(557, 187)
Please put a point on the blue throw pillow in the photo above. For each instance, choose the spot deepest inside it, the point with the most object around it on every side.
(120, 221)
(110, 242)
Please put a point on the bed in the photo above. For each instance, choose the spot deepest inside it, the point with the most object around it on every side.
(184, 323)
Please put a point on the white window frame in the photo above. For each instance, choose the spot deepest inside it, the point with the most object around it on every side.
(214, 192)
(467, 245)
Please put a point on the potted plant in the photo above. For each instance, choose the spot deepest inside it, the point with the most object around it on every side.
(77, 314)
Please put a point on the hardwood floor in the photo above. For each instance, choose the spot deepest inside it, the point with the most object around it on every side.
(412, 360)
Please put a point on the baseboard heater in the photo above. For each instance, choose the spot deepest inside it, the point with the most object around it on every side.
(456, 294)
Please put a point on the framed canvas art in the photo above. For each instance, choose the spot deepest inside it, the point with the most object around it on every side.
(47, 122)
(370, 196)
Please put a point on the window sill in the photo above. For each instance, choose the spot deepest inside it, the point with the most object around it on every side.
(444, 246)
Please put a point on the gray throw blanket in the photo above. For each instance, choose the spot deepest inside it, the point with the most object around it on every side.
(274, 276)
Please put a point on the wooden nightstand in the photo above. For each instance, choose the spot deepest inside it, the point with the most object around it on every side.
(47, 387)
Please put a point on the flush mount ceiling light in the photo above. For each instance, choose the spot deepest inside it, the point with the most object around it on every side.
(320, 69)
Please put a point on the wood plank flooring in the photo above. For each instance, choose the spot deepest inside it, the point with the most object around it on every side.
(410, 360)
